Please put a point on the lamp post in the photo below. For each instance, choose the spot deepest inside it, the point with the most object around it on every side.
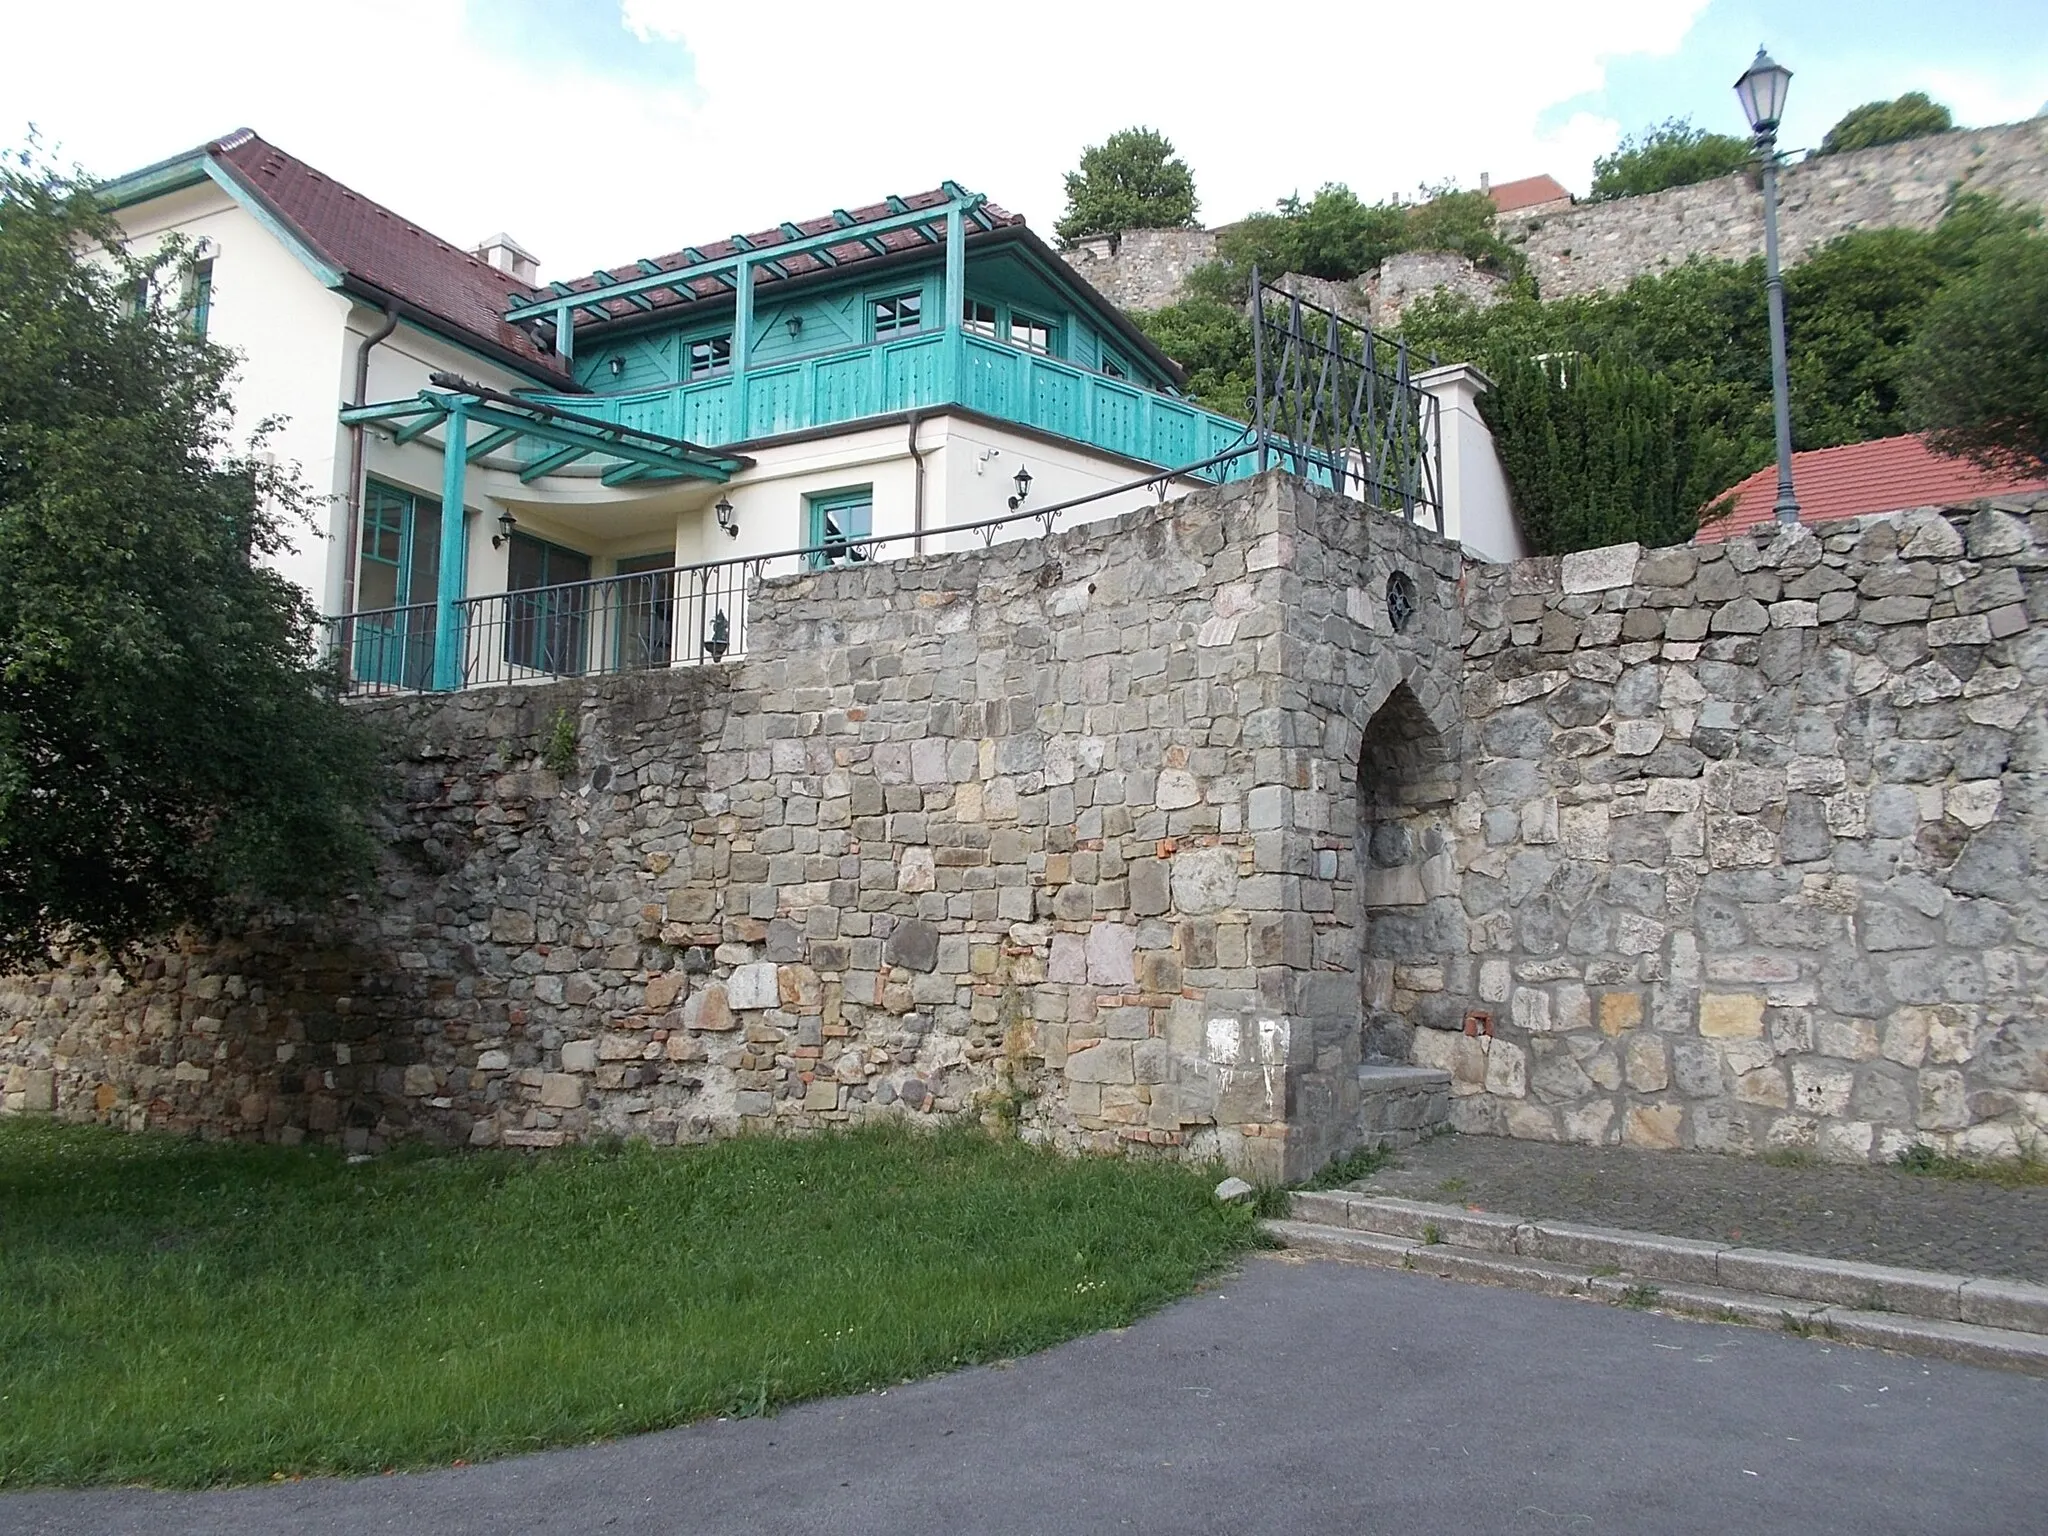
(1761, 90)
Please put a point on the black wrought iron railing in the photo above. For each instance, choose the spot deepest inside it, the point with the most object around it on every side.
(683, 615)
(1335, 403)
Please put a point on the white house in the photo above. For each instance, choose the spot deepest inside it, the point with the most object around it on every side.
(618, 444)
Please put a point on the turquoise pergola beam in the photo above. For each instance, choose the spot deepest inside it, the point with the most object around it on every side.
(547, 464)
(483, 447)
(590, 299)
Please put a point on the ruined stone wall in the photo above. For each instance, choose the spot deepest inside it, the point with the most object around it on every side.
(1142, 268)
(1601, 247)
(1752, 842)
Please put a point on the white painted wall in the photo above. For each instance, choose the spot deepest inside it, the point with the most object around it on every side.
(1478, 512)
(285, 328)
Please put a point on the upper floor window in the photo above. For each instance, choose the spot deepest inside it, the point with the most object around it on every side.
(1032, 335)
(709, 355)
(978, 319)
(1113, 366)
(196, 297)
(899, 315)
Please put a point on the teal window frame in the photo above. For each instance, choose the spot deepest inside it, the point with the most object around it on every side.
(1112, 366)
(896, 314)
(197, 294)
(1023, 319)
(396, 647)
(717, 350)
(547, 623)
(833, 518)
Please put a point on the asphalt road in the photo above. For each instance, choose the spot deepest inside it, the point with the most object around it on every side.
(1298, 1397)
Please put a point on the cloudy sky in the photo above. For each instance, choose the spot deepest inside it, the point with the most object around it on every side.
(600, 130)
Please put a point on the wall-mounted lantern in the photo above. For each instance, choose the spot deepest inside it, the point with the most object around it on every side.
(719, 641)
(725, 518)
(506, 523)
(1023, 487)
(796, 326)
(617, 366)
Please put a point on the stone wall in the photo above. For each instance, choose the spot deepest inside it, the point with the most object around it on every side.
(1601, 247)
(1040, 831)
(1142, 268)
(1154, 833)
(1752, 841)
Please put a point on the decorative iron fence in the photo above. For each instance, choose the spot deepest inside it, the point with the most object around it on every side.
(1335, 404)
(681, 616)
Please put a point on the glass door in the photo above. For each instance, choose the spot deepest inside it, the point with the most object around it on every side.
(393, 641)
(645, 608)
(546, 606)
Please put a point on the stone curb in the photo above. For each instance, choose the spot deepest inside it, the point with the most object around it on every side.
(1583, 1262)
(2013, 1305)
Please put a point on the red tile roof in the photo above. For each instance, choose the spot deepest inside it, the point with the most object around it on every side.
(370, 243)
(852, 252)
(1529, 192)
(1890, 474)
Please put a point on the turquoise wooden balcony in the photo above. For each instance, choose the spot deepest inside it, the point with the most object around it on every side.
(926, 372)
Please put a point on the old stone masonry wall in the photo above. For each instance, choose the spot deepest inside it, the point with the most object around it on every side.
(1752, 840)
(1041, 832)
(1159, 833)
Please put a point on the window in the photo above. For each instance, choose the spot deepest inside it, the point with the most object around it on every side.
(899, 316)
(197, 297)
(645, 610)
(1113, 366)
(396, 573)
(709, 355)
(978, 318)
(545, 608)
(1032, 335)
(835, 519)
(138, 296)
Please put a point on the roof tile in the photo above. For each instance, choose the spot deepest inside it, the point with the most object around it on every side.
(1889, 474)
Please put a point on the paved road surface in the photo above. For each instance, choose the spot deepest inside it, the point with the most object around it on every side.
(1298, 1397)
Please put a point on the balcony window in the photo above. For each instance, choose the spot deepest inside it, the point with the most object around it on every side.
(1032, 335)
(546, 606)
(978, 319)
(1113, 366)
(899, 315)
(835, 519)
(710, 355)
(393, 639)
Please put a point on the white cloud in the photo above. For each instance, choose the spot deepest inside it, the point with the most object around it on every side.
(791, 110)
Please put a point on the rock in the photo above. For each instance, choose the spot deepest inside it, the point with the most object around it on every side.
(914, 945)
(1234, 1191)
(754, 985)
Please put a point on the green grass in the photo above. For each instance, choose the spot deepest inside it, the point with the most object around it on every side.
(189, 1314)
(1923, 1159)
(1349, 1169)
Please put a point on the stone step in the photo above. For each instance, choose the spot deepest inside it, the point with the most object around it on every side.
(1399, 1106)
(1648, 1256)
(1936, 1338)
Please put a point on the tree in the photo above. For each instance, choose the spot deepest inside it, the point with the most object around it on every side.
(1910, 116)
(1976, 378)
(1603, 452)
(1212, 340)
(169, 751)
(1132, 180)
(1668, 154)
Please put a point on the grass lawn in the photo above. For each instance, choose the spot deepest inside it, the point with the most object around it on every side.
(184, 1314)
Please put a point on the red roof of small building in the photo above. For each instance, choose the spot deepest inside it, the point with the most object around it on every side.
(1511, 196)
(385, 251)
(1890, 474)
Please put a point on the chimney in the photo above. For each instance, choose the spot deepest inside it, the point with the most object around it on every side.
(510, 257)
(1485, 182)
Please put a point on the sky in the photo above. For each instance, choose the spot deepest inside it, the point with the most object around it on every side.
(598, 131)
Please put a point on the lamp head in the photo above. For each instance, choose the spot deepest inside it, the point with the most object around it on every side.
(1761, 90)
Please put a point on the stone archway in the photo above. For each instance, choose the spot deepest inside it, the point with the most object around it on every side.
(1411, 925)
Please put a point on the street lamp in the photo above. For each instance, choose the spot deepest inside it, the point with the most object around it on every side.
(1761, 90)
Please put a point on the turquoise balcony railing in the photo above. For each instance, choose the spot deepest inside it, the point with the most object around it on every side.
(996, 380)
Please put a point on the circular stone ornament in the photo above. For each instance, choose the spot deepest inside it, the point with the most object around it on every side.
(1401, 604)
